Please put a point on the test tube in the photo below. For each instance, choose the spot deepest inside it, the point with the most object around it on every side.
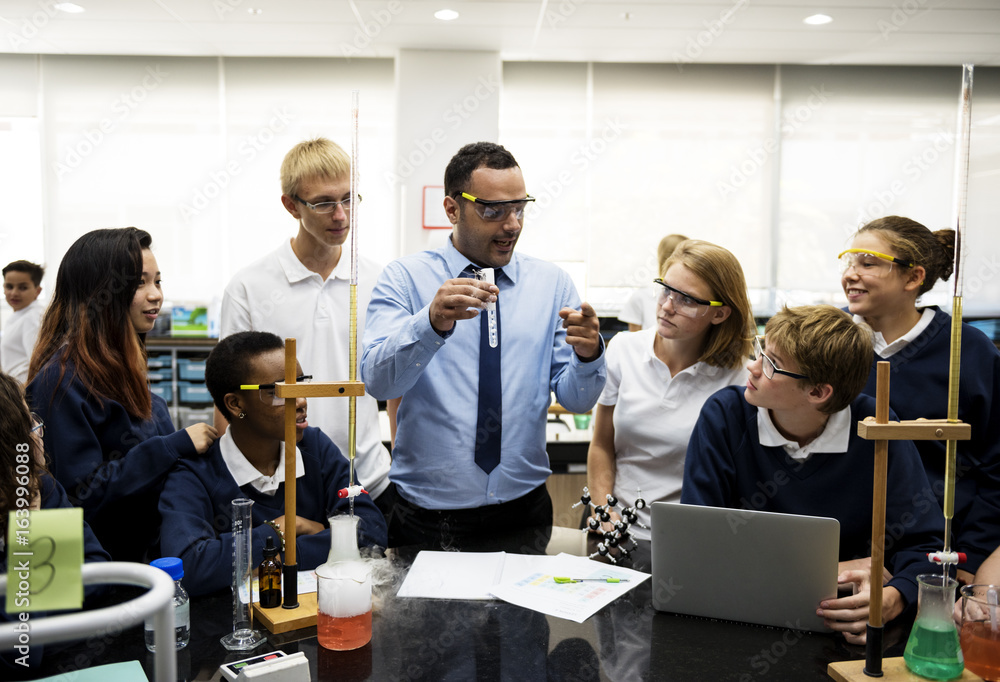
(488, 275)
(243, 637)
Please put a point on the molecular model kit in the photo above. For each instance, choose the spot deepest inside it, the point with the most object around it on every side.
(617, 541)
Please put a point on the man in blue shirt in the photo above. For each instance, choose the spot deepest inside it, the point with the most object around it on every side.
(469, 457)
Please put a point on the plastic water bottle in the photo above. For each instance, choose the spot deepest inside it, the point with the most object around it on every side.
(182, 605)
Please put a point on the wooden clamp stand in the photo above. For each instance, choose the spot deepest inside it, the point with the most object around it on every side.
(293, 614)
(880, 430)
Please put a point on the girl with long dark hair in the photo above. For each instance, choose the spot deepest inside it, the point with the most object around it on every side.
(87, 380)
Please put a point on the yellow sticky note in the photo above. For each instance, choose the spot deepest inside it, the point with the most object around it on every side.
(44, 556)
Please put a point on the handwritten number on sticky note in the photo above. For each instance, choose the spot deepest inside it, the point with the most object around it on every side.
(42, 569)
(48, 546)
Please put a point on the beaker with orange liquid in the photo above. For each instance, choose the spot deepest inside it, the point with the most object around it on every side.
(980, 632)
(344, 591)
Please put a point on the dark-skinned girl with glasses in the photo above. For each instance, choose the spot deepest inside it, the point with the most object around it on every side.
(891, 263)
(249, 461)
(659, 378)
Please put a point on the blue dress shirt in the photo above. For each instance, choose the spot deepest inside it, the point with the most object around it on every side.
(433, 462)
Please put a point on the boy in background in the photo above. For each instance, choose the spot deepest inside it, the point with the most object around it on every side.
(22, 283)
(788, 443)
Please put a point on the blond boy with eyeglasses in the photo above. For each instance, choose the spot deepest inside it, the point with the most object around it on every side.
(787, 442)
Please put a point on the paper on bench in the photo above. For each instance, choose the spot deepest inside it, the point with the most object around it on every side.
(525, 580)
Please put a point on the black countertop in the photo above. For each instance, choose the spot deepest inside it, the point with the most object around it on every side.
(416, 639)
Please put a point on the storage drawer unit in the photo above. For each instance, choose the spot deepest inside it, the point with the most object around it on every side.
(164, 389)
(193, 393)
(189, 369)
(176, 369)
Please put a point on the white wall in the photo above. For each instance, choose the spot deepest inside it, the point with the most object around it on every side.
(777, 164)
(188, 149)
(444, 100)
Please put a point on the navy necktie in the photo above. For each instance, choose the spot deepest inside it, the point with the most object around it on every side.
(489, 415)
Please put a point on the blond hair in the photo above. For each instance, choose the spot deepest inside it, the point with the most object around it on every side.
(728, 343)
(666, 247)
(317, 158)
(827, 346)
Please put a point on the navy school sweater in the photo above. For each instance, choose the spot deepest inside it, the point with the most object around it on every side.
(52, 497)
(196, 506)
(918, 387)
(726, 466)
(111, 465)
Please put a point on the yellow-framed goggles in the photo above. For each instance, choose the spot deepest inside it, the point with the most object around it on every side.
(871, 263)
(266, 391)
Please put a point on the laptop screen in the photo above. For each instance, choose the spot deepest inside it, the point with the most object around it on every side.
(749, 566)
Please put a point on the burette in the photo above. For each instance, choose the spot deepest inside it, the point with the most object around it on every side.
(353, 352)
(960, 195)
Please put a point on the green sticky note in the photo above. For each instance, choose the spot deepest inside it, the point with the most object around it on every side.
(44, 557)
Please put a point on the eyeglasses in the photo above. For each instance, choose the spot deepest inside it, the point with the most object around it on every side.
(497, 211)
(266, 391)
(685, 304)
(869, 263)
(767, 365)
(326, 206)
(38, 426)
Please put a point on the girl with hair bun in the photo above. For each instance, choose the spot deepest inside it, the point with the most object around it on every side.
(893, 261)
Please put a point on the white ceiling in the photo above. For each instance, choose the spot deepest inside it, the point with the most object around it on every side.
(935, 32)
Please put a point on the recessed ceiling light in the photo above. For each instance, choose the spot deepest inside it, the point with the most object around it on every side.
(254, 10)
(818, 19)
(446, 14)
(68, 7)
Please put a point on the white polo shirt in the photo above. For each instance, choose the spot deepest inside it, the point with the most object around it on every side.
(18, 341)
(641, 307)
(654, 417)
(835, 437)
(279, 294)
(887, 350)
(244, 472)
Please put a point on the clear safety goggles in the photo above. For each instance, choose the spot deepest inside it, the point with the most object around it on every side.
(497, 211)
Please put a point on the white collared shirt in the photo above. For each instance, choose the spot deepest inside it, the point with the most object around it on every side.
(641, 307)
(244, 472)
(279, 294)
(654, 416)
(835, 436)
(886, 350)
(18, 338)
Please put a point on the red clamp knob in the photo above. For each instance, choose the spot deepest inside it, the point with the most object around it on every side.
(352, 491)
(941, 557)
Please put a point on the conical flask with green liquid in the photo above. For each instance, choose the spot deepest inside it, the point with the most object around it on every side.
(933, 650)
